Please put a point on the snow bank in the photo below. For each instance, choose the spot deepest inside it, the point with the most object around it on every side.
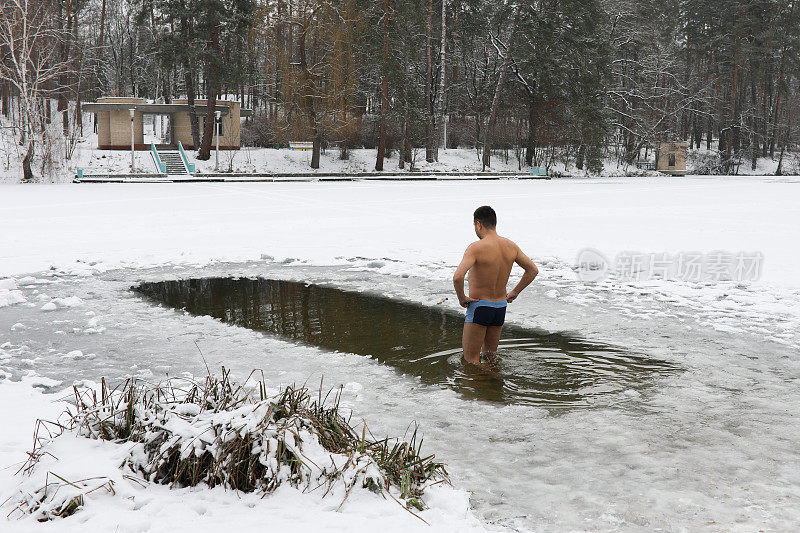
(110, 498)
(269, 160)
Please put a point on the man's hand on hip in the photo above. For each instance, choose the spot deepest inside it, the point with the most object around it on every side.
(466, 301)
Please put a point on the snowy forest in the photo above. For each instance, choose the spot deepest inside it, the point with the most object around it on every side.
(581, 80)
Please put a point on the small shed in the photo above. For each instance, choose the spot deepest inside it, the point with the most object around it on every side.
(671, 158)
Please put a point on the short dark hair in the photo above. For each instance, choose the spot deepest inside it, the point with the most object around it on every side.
(486, 216)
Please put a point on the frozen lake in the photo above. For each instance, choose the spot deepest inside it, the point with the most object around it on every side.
(709, 444)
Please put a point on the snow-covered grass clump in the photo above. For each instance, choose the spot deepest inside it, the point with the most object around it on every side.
(184, 433)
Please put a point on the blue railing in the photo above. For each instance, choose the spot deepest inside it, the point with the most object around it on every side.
(161, 166)
(189, 166)
(538, 171)
(92, 171)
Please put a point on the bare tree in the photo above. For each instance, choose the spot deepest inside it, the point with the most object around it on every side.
(498, 91)
(31, 64)
(213, 81)
(440, 94)
(387, 14)
(430, 119)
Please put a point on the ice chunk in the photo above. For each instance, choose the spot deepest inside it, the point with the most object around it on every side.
(71, 301)
(8, 297)
(78, 354)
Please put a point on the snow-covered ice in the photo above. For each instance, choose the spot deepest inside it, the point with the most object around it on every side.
(708, 447)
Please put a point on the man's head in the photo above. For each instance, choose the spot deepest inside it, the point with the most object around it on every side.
(484, 219)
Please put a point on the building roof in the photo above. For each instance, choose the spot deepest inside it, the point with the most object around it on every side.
(157, 109)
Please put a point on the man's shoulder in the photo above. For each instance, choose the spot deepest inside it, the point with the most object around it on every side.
(509, 242)
(477, 248)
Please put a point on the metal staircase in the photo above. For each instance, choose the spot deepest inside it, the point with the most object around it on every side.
(174, 163)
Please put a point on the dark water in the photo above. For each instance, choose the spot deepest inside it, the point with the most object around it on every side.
(532, 368)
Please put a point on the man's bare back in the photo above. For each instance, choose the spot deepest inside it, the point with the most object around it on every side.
(488, 262)
(493, 258)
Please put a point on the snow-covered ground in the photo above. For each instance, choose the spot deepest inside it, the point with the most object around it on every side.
(268, 160)
(249, 160)
(711, 447)
(86, 156)
(136, 505)
(272, 161)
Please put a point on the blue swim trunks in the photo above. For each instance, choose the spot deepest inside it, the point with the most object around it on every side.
(486, 312)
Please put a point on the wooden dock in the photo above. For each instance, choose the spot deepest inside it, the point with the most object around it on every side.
(306, 177)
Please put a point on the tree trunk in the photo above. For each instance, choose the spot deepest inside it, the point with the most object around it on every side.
(478, 135)
(754, 143)
(64, 56)
(79, 109)
(785, 140)
(382, 138)
(384, 88)
(531, 146)
(401, 159)
(78, 64)
(316, 150)
(698, 131)
(193, 122)
(309, 103)
(429, 117)
(439, 118)
(776, 114)
(732, 142)
(188, 78)
(213, 83)
(487, 134)
(5, 97)
(102, 24)
(209, 127)
(27, 173)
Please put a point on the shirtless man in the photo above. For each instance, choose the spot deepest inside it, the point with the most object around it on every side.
(489, 263)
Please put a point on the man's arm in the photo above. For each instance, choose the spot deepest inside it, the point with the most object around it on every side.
(530, 273)
(461, 273)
